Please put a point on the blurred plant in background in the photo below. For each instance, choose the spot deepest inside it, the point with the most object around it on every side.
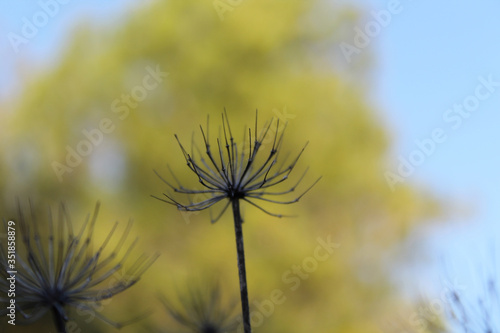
(96, 122)
(476, 310)
(201, 309)
(63, 272)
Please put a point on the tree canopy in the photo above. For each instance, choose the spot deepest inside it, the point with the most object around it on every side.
(96, 124)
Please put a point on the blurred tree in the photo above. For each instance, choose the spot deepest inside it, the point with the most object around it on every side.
(96, 124)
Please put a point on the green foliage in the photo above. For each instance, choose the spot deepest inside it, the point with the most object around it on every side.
(264, 55)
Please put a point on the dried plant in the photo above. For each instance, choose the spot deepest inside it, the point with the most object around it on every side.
(479, 314)
(237, 173)
(201, 310)
(63, 271)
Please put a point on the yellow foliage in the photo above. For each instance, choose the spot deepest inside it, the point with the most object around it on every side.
(182, 63)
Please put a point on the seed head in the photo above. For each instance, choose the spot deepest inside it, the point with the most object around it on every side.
(201, 310)
(62, 270)
(244, 172)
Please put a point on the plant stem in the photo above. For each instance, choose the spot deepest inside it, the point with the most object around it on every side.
(59, 321)
(245, 308)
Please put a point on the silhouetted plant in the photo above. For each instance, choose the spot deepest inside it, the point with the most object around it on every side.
(63, 271)
(235, 173)
(201, 310)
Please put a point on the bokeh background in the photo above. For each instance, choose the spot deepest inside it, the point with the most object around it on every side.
(361, 111)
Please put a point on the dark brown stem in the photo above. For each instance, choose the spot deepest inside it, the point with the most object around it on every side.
(59, 321)
(245, 308)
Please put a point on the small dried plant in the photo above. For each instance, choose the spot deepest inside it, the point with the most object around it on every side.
(479, 314)
(202, 310)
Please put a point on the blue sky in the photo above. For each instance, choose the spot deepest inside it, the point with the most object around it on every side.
(50, 37)
(427, 59)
